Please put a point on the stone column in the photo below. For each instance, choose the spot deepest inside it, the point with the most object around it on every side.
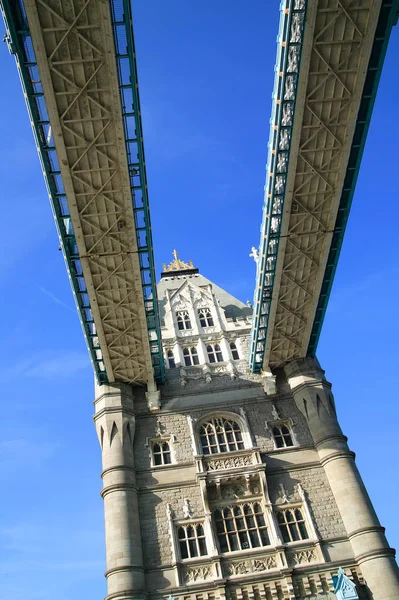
(114, 420)
(312, 394)
(202, 353)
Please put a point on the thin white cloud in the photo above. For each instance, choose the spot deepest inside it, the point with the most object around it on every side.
(55, 299)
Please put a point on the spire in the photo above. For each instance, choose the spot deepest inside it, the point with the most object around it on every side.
(178, 266)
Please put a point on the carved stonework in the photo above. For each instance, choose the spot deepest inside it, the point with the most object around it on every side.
(187, 510)
(229, 462)
(185, 333)
(302, 557)
(230, 492)
(210, 329)
(180, 303)
(201, 298)
(250, 566)
(193, 574)
(283, 496)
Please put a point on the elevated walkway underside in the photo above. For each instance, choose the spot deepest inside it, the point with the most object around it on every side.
(330, 54)
(77, 64)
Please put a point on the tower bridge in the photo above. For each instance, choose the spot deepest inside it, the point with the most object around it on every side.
(225, 471)
(77, 66)
(329, 61)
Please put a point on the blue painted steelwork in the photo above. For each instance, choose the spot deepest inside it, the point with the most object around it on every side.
(344, 588)
(128, 86)
(290, 39)
(20, 44)
(387, 19)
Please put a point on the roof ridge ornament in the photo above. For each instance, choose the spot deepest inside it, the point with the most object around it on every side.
(177, 264)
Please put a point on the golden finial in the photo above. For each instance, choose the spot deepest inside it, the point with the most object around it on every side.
(177, 264)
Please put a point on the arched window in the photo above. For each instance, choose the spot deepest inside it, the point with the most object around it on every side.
(241, 527)
(292, 525)
(205, 317)
(214, 353)
(220, 435)
(282, 436)
(190, 356)
(171, 359)
(191, 540)
(234, 351)
(161, 453)
(183, 320)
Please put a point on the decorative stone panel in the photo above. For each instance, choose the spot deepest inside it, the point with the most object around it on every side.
(229, 462)
(249, 566)
(302, 556)
(196, 573)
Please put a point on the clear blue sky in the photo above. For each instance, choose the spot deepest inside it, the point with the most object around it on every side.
(206, 76)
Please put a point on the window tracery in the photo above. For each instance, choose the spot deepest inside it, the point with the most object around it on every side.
(234, 351)
(241, 527)
(190, 356)
(205, 317)
(282, 435)
(192, 542)
(292, 525)
(161, 452)
(183, 320)
(220, 435)
(171, 359)
(214, 353)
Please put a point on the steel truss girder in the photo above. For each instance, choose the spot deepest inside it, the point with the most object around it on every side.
(305, 177)
(83, 99)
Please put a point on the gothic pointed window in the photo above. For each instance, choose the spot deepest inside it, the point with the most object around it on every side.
(214, 353)
(171, 359)
(220, 435)
(282, 436)
(292, 525)
(161, 454)
(241, 527)
(205, 317)
(190, 356)
(191, 540)
(234, 351)
(183, 320)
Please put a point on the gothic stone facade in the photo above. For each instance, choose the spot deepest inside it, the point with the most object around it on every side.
(237, 486)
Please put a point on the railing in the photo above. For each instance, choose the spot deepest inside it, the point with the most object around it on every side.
(128, 86)
(289, 52)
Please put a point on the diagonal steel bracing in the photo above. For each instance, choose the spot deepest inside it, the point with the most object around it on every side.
(86, 116)
(322, 65)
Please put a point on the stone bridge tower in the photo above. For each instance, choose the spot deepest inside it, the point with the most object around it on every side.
(231, 485)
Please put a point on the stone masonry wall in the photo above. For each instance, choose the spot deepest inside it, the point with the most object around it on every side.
(322, 505)
(154, 524)
(160, 486)
(175, 424)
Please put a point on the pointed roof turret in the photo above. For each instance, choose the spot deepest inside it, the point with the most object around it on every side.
(178, 273)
